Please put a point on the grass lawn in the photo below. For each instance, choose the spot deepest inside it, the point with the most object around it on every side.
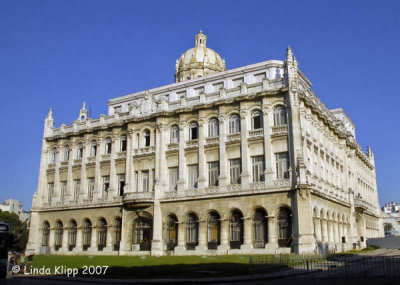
(152, 267)
(137, 267)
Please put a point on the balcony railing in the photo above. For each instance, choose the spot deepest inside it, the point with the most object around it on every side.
(144, 150)
(64, 163)
(233, 137)
(77, 161)
(105, 157)
(360, 203)
(279, 130)
(138, 196)
(173, 146)
(91, 159)
(121, 154)
(214, 140)
(256, 133)
(192, 143)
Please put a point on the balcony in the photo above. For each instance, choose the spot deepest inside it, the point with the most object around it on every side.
(254, 134)
(173, 146)
(138, 196)
(51, 166)
(77, 161)
(361, 204)
(91, 159)
(279, 130)
(192, 143)
(212, 141)
(120, 155)
(144, 150)
(106, 157)
(64, 163)
(233, 137)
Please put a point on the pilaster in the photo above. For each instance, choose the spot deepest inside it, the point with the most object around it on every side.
(223, 163)
(268, 173)
(245, 176)
(182, 164)
(202, 156)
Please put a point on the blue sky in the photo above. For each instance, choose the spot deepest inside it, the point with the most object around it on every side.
(60, 53)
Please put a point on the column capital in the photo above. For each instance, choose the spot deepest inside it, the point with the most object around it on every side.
(266, 109)
(182, 125)
(161, 126)
(244, 113)
(201, 121)
(221, 117)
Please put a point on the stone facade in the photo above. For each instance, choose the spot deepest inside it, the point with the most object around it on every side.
(246, 160)
(15, 206)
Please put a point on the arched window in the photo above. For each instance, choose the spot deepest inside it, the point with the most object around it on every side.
(53, 155)
(46, 234)
(123, 141)
(108, 145)
(256, 120)
(142, 233)
(234, 124)
(146, 135)
(87, 234)
(260, 228)
(193, 131)
(172, 232)
(191, 232)
(213, 230)
(102, 234)
(72, 235)
(174, 134)
(93, 148)
(213, 128)
(67, 152)
(59, 236)
(117, 233)
(79, 151)
(279, 116)
(284, 228)
(236, 230)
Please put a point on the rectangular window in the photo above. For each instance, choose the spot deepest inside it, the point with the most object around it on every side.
(258, 168)
(63, 190)
(213, 172)
(235, 171)
(137, 181)
(66, 154)
(199, 90)
(50, 189)
(193, 175)
(145, 181)
(77, 188)
(237, 82)
(90, 187)
(259, 77)
(282, 165)
(173, 178)
(123, 144)
(121, 184)
(218, 86)
(106, 185)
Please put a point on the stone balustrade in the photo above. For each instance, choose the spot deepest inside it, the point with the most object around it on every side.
(279, 130)
(144, 150)
(259, 133)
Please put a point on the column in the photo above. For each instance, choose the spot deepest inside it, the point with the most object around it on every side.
(330, 231)
(268, 173)
(64, 247)
(224, 245)
(109, 242)
(93, 241)
(163, 165)
(202, 156)
(52, 236)
(272, 241)
(336, 231)
(247, 234)
(317, 229)
(129, 171)
(223, 163)
(157, 246)
(324, 230)
(69, 195)
(181, 180)
(79, 240)
(202, 236)
(57, 194)
(113, 189)
(181, 247)
(97, 179)
(245, 176)
(85, 154)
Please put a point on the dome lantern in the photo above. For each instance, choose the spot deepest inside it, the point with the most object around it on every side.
(198, 61)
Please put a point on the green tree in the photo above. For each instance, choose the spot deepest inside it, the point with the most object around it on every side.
(388, 227)
(18, 229)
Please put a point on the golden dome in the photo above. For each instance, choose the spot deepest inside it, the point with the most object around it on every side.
(198, 61)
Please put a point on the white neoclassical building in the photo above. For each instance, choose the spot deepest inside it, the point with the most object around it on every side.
(247, 160)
